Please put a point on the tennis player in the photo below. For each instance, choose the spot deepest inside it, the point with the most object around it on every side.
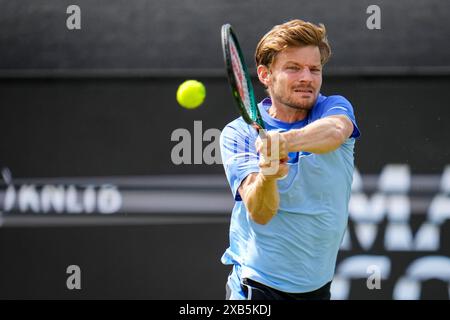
(291, 204)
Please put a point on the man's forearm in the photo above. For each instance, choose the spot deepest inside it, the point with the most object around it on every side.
(321, 136)
(261, 197)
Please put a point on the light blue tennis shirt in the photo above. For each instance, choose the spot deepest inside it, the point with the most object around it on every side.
(296, 250)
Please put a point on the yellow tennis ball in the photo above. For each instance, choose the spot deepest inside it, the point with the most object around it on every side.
(191, 94)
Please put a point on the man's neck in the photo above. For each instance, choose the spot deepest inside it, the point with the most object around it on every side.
(286, 114)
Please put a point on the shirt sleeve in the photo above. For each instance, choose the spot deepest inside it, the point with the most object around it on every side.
(338, 105)
(239, 156)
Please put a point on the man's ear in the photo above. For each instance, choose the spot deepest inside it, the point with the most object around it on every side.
(263, 75)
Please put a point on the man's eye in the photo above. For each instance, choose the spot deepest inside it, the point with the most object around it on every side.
(292, 68)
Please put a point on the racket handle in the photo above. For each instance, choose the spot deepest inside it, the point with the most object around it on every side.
(262, 133)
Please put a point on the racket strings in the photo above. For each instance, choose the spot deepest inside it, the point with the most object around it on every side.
(241, 80)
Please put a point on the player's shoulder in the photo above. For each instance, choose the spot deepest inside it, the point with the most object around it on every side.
(335, 99)
(327, 103)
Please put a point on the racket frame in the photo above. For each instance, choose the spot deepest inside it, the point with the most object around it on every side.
(255, 121)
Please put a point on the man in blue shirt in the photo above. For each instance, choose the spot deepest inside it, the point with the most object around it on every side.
(291, 205)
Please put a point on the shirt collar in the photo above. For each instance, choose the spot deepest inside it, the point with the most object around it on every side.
(266, 103)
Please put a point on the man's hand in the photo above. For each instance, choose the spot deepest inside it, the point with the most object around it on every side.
(273, 152)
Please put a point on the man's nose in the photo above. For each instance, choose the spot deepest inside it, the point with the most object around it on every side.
(305, 75)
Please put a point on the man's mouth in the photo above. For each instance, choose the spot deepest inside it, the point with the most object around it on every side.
(303, 90)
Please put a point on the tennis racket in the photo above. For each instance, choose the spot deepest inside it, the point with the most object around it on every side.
(240, 82)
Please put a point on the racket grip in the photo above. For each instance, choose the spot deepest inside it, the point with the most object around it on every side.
(262, 133)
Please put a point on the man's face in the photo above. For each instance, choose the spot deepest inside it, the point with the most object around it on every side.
(295, 77)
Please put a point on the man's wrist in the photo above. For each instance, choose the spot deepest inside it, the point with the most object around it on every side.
(292, 140)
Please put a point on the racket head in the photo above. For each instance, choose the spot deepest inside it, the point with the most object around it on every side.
(239, 78)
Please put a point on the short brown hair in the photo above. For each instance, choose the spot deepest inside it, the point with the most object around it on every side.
(294, 33)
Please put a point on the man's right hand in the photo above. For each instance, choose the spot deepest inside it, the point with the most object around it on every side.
(273, 155)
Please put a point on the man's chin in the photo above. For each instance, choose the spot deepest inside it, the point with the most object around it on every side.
(301, 105)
